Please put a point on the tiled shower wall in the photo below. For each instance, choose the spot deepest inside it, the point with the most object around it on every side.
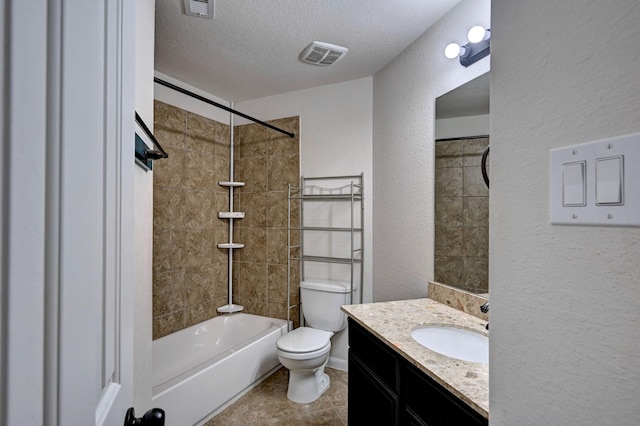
(461, 215)
(189, 271)
(267, 161)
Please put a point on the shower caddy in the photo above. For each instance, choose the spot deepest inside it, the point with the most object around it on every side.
(230, 307)
(350, 190)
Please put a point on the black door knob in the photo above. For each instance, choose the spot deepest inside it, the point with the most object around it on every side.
(153, 417)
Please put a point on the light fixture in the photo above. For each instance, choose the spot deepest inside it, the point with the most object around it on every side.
(453, 50)
(478, 33)
(477, 48)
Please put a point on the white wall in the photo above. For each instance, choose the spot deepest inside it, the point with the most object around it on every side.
(404, 95)
(187, 103)
(565, 301)
(143, 216)
(335, 139)
(460, 127)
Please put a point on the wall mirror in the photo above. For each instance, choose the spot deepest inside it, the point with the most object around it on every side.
(461, 194)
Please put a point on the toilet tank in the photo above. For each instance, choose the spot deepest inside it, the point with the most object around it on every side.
(321, 301)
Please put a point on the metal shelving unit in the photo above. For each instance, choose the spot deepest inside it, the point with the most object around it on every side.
(343, 189)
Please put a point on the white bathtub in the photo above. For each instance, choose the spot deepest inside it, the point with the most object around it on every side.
(199, 370)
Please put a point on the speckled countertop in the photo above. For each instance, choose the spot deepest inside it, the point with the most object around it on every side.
(392, 322)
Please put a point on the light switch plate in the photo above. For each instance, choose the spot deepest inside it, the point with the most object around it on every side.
(609, 213)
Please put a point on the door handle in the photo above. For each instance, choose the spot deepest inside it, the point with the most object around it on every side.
(153, 417)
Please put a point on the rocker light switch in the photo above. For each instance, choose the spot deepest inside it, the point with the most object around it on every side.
(573, 184)
(609, 181)
(596, 183)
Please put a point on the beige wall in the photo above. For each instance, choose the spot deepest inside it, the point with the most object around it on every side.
(461, 215)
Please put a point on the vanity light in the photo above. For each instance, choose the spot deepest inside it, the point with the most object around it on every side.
(453, 50)
(477, 48)
(478, 33)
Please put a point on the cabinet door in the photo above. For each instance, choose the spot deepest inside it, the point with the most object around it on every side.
(370, 401)
(433, 404)
(381, 361)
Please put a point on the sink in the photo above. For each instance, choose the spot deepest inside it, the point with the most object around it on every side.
(453, 342)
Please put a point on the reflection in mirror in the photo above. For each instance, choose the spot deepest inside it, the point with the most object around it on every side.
(461, 195)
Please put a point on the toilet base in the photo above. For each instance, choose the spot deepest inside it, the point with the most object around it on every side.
(305, 386)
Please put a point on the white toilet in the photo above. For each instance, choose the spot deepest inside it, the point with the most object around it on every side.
(305, 350)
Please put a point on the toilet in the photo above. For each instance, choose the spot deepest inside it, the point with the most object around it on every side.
(305, 350)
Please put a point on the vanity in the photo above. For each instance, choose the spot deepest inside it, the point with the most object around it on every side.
(394, 380)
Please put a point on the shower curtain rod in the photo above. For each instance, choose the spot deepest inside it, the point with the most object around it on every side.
(216, 104)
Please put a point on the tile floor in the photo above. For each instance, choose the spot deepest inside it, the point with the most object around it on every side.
(267, 404)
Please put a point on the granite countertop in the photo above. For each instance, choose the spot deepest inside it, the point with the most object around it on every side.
(393, 321)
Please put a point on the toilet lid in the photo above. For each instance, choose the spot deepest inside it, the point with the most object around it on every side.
(304, 339)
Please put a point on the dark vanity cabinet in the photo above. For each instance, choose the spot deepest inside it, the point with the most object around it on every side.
(385, 389)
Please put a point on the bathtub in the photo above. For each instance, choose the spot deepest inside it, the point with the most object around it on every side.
(197, 371)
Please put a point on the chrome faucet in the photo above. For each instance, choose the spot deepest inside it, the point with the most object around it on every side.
(485, 309)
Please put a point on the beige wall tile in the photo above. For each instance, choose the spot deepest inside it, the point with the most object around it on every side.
(449, 269)
(167, 324)
(170, 138)
(198, 207)
(166, 116)
(168, 248)
(475, 242)
(449, 211)
(476, 211)
(255, 207)
(283, 170)
(168, 208)
(449, 154)
(448, 182)
(168, 292)
(253, 172)
(472, 151)
(474, 185)
(169, 172)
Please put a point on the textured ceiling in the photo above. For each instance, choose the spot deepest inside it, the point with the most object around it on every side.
(251, 49)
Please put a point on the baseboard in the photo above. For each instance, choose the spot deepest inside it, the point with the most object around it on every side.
(338, 364)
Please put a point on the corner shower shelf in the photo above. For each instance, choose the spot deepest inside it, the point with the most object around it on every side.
(231, 184)
(229, 309)
(230, 246)
(231, 215)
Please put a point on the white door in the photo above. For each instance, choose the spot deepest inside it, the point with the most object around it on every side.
(67, 212)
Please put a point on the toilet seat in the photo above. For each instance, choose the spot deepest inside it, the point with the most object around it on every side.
(304, 340)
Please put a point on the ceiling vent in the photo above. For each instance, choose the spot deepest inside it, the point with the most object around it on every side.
(320, 53)
(199, 8)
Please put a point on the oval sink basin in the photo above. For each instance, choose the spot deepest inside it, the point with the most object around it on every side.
(454, 342)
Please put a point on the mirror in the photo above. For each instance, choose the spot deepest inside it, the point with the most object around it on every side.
(461, 195)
